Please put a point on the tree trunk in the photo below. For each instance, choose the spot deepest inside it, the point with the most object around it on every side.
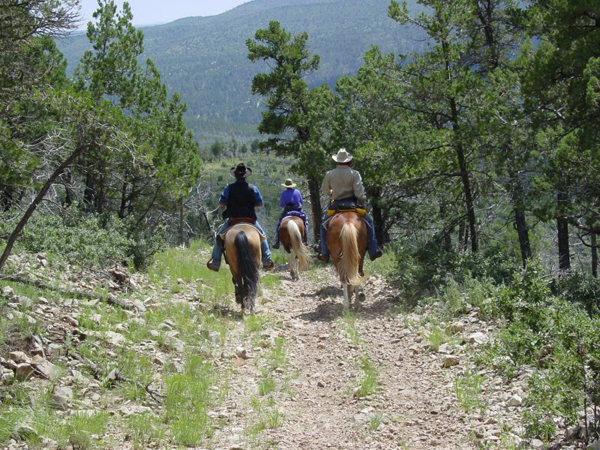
(594, 255)
(520, 219)
(181, 233)
(6, 197)
(315, 201)
(462, 235)
(464, 176)
(562, 231)
(36, 201)
(123, 207)
(89, 191)
(378, 218)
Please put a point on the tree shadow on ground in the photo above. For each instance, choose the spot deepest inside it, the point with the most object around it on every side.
(332, 307)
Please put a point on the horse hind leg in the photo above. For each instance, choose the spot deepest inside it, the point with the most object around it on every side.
(359, 296)
(347, 288)
(293, 263)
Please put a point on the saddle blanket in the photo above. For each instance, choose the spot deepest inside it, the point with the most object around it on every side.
(296, 214)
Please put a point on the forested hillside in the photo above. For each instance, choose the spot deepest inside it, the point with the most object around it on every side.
(204, 58)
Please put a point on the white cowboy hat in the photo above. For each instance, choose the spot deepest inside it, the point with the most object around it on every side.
(342, 156)
(289, 184)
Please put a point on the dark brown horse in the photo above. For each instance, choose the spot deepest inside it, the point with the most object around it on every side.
(242, 249)
(347, 243)
(291, 233)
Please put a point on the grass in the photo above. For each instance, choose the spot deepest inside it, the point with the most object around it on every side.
(348, 324)
(144, 429)
(468, 391)
(375, 421)
(369, 383)
(189, 399)
(436, 338)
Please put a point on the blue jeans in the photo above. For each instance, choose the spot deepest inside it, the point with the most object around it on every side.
(371, 245)
(218, 248)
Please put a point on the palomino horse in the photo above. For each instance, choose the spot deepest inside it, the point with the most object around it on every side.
(347, 242)
(291, 232)
(242, 249)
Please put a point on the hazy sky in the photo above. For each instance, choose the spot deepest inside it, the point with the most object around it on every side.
(148, 12)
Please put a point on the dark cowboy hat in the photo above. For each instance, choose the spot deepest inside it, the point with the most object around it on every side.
(241, 171)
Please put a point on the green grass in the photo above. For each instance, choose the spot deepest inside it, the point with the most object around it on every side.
(190, 396)
(436, 338)
(468, 391)
(348, 324)
(144, 429)
(375, 421)
(369, 383)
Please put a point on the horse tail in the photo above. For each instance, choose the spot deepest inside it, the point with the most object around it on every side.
(247, 269)
(300, 250)
(348, 264)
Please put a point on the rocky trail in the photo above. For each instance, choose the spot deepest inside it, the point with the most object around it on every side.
(300, 374)
(404, 398)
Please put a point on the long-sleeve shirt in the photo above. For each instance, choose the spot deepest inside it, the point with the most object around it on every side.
(343, 182)
(290, 197)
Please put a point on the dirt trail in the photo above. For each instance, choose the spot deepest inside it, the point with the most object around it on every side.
(329, 354)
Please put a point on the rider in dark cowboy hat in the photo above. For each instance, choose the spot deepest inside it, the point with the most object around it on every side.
(291, 202)
(240, 199)
(344, 185)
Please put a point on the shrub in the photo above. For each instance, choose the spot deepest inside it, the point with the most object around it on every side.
(76, 237)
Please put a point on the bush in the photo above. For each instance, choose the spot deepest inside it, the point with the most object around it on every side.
(76, 237)
(580, 288)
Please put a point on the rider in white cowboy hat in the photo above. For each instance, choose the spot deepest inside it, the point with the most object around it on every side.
(344, 185)
(240, 198)
(291, 202)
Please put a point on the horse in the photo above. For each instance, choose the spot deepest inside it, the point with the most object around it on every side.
(347, 243)
(242, 250)
(291, 232)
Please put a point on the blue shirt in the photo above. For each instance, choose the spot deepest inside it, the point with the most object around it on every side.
(290, 196)
(225, 195)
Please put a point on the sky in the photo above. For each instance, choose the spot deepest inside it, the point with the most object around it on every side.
(150, 12)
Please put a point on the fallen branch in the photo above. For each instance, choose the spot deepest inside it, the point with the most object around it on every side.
(110, 299)
(115, 375)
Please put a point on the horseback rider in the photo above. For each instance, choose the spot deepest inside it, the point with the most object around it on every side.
(291, 202)
(240, 198)
(344, 185)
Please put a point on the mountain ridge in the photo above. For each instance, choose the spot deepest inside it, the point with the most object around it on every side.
(204, 58)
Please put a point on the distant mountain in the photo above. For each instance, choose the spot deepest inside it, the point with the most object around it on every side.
(204, 58)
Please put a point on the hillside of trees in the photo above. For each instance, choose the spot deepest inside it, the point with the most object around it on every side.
(204, 58)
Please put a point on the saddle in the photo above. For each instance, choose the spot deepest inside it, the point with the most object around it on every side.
(232, 223)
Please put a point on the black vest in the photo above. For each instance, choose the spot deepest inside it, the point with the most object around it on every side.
(241, 201)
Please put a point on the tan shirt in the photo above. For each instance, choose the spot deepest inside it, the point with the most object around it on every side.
(343, 182)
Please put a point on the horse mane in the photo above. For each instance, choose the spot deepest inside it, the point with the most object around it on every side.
(247, 269)
(349, 262)
(299, 248)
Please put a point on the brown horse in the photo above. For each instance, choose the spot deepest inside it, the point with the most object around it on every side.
(291, 233)
(242, 250)
(347, 243)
